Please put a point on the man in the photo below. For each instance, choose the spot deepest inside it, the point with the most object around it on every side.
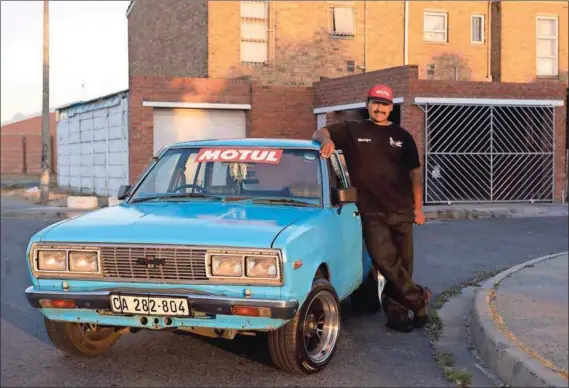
(384, 166)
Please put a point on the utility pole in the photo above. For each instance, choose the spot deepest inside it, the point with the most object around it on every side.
(46, 137)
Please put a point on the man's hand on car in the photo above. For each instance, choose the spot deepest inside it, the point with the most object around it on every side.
(327, 148)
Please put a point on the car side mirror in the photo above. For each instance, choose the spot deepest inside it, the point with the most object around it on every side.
(346, 195)
(123, 192)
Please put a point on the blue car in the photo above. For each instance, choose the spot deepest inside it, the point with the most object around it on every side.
(219, 238)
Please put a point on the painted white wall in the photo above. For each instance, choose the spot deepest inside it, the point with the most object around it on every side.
(178, 125)
(92, 150)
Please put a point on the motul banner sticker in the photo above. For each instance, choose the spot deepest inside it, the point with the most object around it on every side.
(253, 155)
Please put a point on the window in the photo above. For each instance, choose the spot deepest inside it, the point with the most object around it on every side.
(546, 40)
(477, 29)
(254, 32)
(435, 27)
(342, 21)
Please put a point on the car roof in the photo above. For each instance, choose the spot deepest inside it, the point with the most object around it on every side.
(250, 142)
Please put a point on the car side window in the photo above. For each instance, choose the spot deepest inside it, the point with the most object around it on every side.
(336, 176)
(344, 167)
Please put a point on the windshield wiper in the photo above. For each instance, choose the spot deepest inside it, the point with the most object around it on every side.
(286, 201)
(180, 195)
(236, 199)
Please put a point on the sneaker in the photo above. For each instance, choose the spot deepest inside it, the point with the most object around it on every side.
(402, 326)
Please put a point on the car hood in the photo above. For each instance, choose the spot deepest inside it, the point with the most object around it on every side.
(191, 223)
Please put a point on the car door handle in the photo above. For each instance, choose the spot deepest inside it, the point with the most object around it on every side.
(356, 214)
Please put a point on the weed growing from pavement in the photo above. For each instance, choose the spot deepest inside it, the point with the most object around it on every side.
(446, 362)
(435, 328)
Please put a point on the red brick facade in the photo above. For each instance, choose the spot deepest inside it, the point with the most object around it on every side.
(20, 145)
(405, 83)
(277, 111)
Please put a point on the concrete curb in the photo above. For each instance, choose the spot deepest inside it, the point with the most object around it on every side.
(512, 365)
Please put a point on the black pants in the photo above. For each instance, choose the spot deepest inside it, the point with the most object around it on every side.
(389, 240)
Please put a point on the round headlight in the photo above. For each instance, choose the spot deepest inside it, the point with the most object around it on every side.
(52, 260)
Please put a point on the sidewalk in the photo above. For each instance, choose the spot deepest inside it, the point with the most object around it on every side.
(520, 323)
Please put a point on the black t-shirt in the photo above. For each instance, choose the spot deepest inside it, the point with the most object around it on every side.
(379, 159)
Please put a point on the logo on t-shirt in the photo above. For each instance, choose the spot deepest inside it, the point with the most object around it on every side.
(364, 140)
(394, 143)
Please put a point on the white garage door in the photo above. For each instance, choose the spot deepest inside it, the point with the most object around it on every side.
(176, 125)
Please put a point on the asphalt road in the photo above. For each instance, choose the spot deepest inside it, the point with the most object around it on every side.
(447, 253)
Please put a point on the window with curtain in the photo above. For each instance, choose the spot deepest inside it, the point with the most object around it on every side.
(254, 32)
(477, 29)
(546, 50)
(342, 21)
(435, 27)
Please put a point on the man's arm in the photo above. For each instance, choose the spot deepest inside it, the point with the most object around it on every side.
(327, 146)
(417, 187)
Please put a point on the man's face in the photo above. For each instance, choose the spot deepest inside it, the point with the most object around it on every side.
(379, 111)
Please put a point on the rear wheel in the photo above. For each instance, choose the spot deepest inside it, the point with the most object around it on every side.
(306, 344)
(81, 339)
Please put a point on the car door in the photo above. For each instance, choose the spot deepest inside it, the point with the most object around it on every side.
(348, 223)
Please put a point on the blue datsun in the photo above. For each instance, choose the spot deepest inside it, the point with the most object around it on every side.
(219, 238)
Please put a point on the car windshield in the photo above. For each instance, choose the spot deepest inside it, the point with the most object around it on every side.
(288, 176)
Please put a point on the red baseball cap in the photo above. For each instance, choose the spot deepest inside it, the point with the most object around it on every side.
(382, 93)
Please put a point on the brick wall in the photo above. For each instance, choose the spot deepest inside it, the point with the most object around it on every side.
(470, 59)
(141, 119)
(21, 145)
(12, 154)
(21, 154)
(347, 90)
(168, 38)
(518, 32)
(282, 112)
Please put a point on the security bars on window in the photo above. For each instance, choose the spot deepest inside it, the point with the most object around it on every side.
(254, 32)
(480, 153)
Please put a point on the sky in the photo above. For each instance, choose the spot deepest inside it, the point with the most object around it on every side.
(88, 53)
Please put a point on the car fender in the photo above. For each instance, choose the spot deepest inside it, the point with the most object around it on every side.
(311, 243)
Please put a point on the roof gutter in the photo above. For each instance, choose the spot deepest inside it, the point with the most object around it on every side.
(130, 7)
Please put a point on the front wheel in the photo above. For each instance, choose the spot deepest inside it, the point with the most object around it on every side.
(81, 339)
(306, 344)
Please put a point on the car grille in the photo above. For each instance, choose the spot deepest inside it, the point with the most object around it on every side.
(129, 263)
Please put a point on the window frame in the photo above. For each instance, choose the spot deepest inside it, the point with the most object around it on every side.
(482, 18)
(252, 20)
(537, 38)
(436, 13)
(331, 19)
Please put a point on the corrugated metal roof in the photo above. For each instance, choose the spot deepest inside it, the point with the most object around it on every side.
(93, 100)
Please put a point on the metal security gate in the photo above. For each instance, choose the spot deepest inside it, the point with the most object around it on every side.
(489, 153)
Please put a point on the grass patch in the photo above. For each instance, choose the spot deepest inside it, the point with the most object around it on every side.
(445, 361)
(460, 377)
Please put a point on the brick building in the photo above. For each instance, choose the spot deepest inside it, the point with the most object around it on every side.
(21, 145)
(280, 69)
(297, 42)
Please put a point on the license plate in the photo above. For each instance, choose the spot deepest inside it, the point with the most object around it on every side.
(149, 305)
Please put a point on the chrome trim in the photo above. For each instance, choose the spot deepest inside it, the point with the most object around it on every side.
(244, 256)
(99, 301)
(160, 293)
(67, 248)
(99, 276)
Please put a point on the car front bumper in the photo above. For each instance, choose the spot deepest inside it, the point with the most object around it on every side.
(202, 303)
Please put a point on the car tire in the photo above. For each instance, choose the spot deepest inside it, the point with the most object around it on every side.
(288, 345)
(365, 298)
(70, 337)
